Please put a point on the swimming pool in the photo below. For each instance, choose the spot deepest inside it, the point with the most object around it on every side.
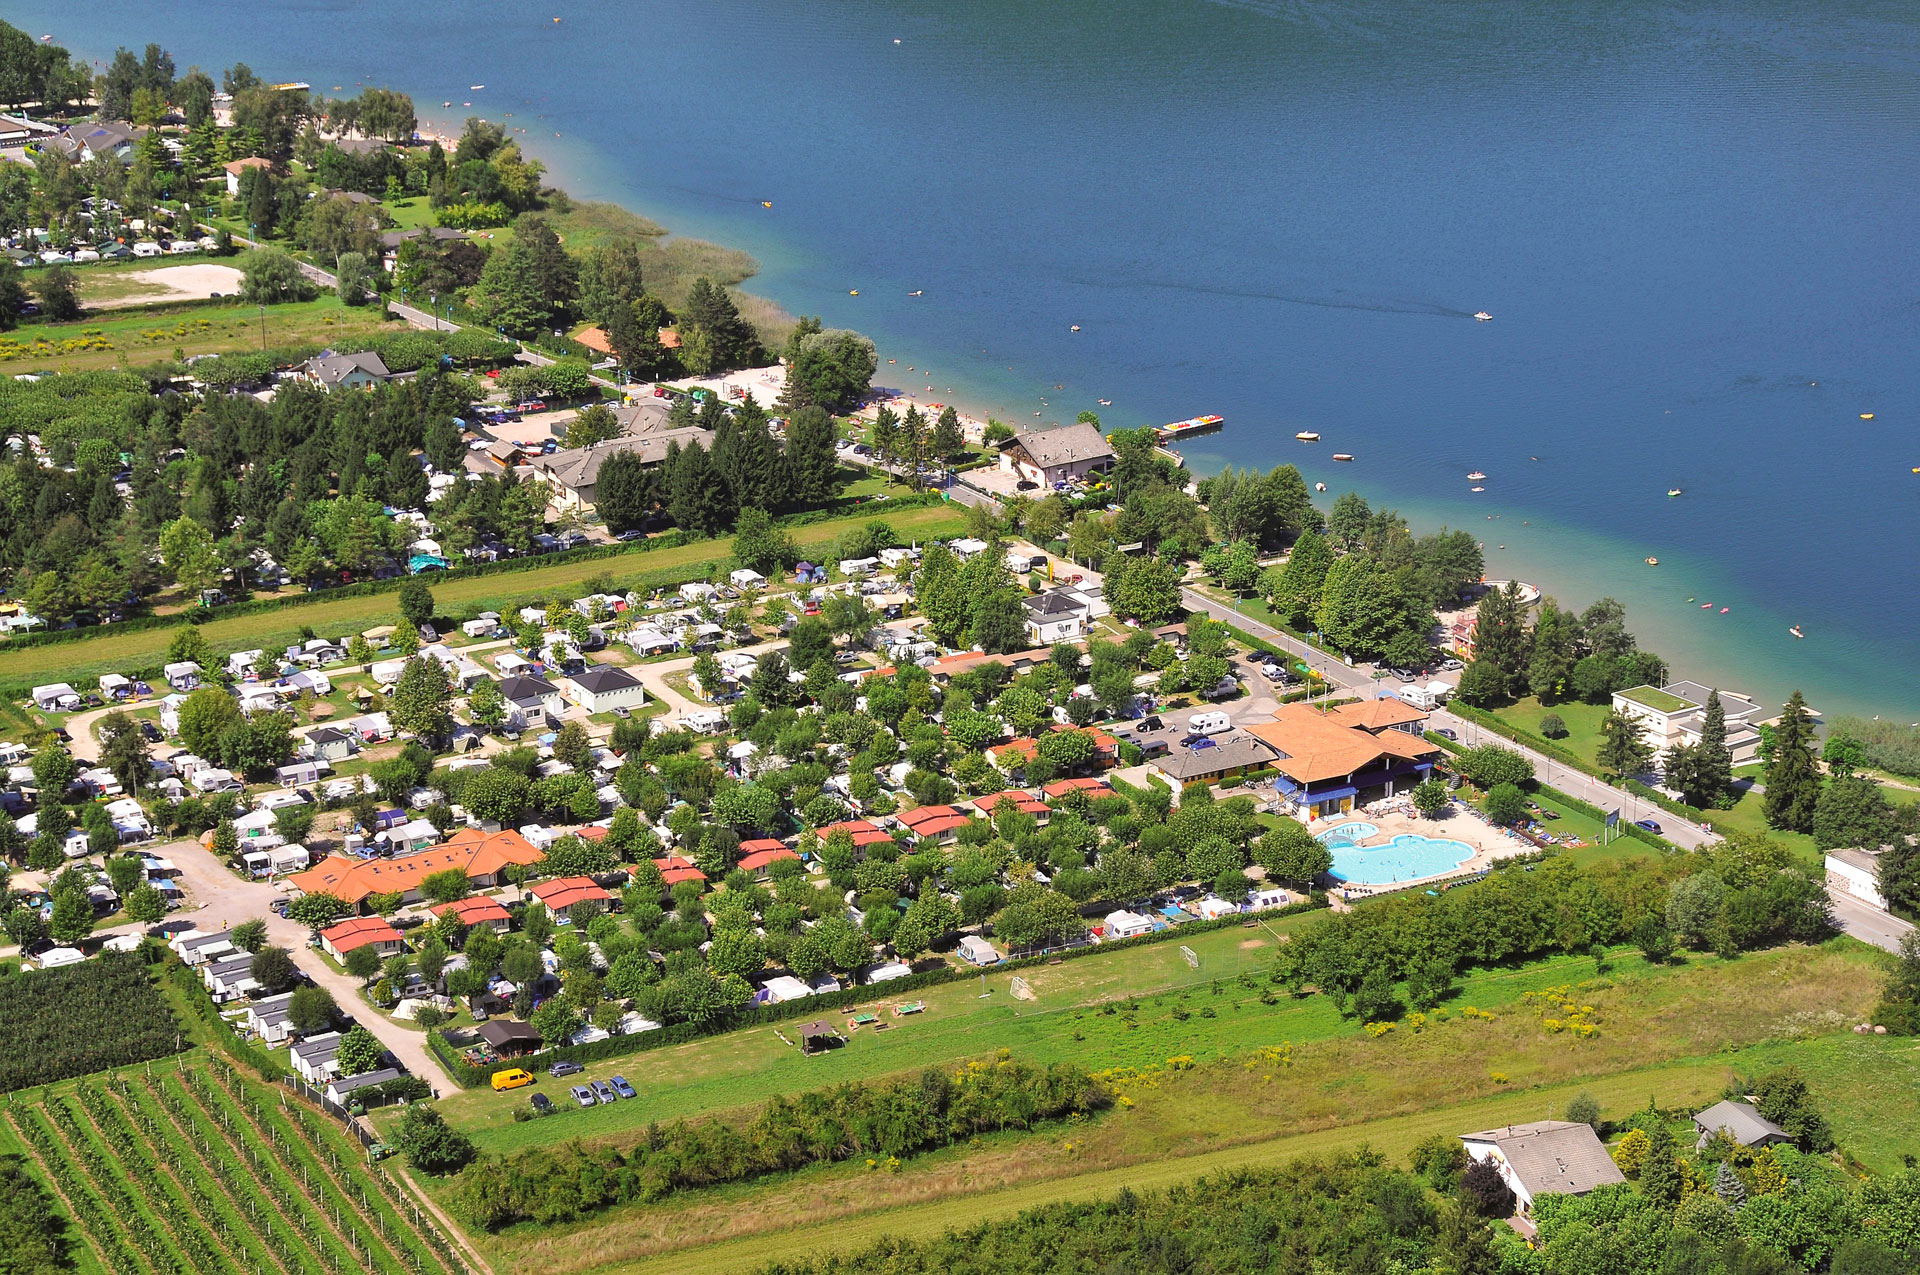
(1407, 857)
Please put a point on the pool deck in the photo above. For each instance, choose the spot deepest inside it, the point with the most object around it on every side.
(1397, 818)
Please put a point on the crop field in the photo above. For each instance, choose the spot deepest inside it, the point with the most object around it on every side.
(1296, 1082)
(66, 1022)
(188, 1166)
(83, 660)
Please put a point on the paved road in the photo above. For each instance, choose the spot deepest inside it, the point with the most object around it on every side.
(1867, 924)
(226, 900)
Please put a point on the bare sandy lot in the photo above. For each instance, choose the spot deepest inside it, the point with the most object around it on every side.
(195, 282)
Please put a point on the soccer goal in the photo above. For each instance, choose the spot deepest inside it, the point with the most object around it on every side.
(1192, 958)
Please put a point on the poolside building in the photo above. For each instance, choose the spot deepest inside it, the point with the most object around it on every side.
(1329, 761)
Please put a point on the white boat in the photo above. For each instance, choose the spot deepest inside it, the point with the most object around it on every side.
(1475, 476)
(1307, 436)
(1479, 489)
(1484, 317)
(1319, 486)
(1342, 456)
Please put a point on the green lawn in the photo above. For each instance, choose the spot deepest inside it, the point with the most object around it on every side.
(1268, 1083)
(83, 660)
(1583, 724)
(135, 337)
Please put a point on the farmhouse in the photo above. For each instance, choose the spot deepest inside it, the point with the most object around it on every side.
(1544, 1157)
(344, 371)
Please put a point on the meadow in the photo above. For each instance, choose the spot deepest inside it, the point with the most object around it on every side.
(1253, 1084)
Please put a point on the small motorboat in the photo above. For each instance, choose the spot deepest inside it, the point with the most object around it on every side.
(1866, 416)
(1724, 610)
(1706, 606)
(854, 292)
(1307, 436)
(1483, 316)
(1653, 562)
(766, 203)
(1106, 402)
(1673, 491)
(1475, 476)
(1074, 328)
(1341, 456)
(916, 292)
(1319, 486)
(475, 88)
(1477, 489)
(1795, 630)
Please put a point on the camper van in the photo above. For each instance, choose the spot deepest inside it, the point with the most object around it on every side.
(1209, 724)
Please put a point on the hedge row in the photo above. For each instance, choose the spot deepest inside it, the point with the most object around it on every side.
(468, 1076)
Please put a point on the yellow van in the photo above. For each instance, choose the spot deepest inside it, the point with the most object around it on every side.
(512, 1078)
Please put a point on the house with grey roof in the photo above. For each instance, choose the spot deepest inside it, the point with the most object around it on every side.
(341, 1088)
(344, 371)
(1214, 757)
(1056, 616)
(574, 473)
(317, 1058)
(1740, 1121)
(1047, 456)
(603, 688)
(1544, 1157)
(531, 701)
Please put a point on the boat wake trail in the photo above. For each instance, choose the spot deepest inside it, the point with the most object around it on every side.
(1431, 309)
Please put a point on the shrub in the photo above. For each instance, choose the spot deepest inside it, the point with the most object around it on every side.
(1552, 727)
(1485, 1191)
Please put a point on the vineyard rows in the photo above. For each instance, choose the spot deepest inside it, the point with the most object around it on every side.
(194, 1170)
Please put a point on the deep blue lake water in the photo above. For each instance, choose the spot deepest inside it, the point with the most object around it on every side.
(1694, 224)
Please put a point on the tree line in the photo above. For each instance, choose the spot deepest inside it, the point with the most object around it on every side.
(891, 1120)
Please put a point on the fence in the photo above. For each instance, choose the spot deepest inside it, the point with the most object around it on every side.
(348, 1121)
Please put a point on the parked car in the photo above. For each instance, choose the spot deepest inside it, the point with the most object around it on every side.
(512, 1078)
(604, 1092)
(542, 1105)
(630, 535)
(583, 1095)
(1444, 733)
(560, 1069)
(621, 1087)
(1649, 824)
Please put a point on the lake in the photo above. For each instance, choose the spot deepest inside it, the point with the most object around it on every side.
(1693, 224)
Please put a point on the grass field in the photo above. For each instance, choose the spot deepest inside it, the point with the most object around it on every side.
(1291, 1080)
(83, 660)
(133, 338)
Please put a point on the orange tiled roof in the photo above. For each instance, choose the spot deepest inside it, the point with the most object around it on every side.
(473, 911)
(562, 893)
(1378, 714)
(925, 814)
(762, 858)
(1318, 746)
(1025, 801)
(359, 932)
(674, 869)
(475, 852)
(1065, 786)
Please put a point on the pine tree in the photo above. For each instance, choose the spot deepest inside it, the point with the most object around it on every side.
(1296, 592)
(1623, 749)
(811, 466)
(1500, 637)
(1727, 1185)
(948, 441)
(1715, 760)
(1660, 1177)
(1793, 778)
(698, 497)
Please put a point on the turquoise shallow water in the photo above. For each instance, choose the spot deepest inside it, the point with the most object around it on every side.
(1693, 224)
